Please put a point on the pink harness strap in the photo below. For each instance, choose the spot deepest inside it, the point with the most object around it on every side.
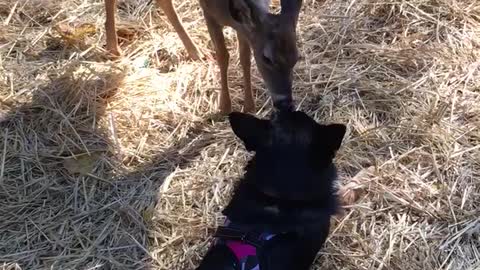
(241, 250)
(245, 250)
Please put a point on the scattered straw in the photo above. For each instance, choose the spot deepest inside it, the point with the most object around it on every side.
(86, 143)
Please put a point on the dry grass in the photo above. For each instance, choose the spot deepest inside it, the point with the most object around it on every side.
(87, 143)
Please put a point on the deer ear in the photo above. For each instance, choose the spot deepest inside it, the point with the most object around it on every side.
(251, 130)
(246, 13)
(291, 8)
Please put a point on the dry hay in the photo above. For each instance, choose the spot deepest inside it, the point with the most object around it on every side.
(86, 143)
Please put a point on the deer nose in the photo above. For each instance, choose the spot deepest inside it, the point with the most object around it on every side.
(282, 102)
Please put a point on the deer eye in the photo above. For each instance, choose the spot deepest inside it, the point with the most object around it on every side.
(267, 60)
(268, 54)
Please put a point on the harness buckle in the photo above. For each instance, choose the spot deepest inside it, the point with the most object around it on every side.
(251, 238)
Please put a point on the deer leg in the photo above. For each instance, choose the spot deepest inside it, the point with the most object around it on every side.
(216, 34)
(111, 32)
(245, 62)
(167, 7)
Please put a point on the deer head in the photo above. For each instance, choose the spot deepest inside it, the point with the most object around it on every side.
(272, 38)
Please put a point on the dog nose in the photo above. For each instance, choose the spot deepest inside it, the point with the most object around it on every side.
(283, 102)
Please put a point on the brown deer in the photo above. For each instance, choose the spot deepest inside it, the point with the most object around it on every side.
(272, 37)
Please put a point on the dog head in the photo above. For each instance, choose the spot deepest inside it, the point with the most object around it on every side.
(293, 153)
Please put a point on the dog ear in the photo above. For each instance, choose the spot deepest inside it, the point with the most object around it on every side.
(335, 134)
(251, 130)
(331, 136)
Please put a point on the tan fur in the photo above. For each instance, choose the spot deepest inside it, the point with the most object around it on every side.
(217, 15)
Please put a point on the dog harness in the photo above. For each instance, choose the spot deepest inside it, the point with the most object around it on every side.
(244, 245)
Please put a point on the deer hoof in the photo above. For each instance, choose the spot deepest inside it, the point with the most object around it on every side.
(248, 107)
(195, 55)
(225, 107)
(115, 52)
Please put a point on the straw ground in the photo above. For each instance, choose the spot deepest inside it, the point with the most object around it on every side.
(118, 165)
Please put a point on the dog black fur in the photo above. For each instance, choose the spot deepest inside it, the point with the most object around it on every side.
(288, 189)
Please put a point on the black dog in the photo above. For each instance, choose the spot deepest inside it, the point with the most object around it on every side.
(279, 216)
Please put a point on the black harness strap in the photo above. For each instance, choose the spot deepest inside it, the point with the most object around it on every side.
(229, 233)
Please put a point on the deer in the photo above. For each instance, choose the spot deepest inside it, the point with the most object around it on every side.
(271, 37)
